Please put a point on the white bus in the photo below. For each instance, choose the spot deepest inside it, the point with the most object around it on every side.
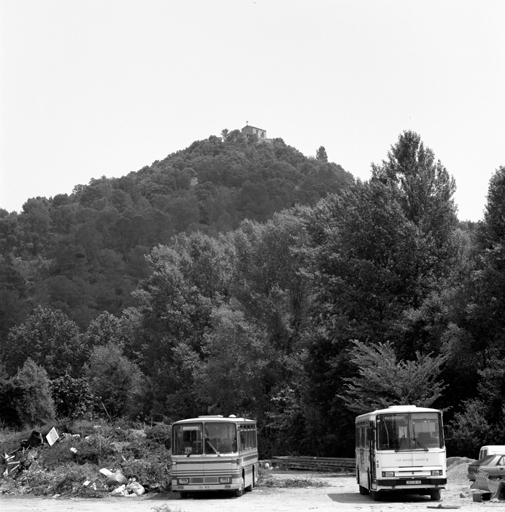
(211, 453)
(401, 449)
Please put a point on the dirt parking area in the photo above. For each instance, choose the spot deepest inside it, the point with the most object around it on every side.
(340, 493)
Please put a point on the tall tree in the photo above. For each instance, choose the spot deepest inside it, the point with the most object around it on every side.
(424, 190)
(188, 279)
(379, 250)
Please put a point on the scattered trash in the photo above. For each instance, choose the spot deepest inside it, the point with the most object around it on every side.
(114, 479)
(495, 488)
(131, 490)
(136, 488)
(52, 436)
(73, 450)
(35, 439)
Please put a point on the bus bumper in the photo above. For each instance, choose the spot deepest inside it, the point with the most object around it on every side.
(412, 483)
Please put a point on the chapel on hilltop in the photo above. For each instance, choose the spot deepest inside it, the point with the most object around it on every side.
(247, 131)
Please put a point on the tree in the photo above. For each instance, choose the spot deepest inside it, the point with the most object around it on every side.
(50, 339)
(383, 381)
(493, 228)
(35, 220)
(321, 154)
(424, 190)
(188, 279)
(72, 396)
(36, 405)
(274, 294)
(475, 340)
(115, 381)
(488, 303)
(104, 329)
(378, 251)
(235, 374)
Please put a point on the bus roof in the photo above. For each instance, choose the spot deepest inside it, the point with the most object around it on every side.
(217, 418)
(396, 409)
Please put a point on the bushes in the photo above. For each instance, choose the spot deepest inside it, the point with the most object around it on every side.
(115, 381)
(35, 405)
(72, 396)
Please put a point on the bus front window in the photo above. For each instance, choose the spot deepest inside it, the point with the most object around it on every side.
(417, 431)
(220, 438)
(187, 439)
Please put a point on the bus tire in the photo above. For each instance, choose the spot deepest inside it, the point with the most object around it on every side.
(435, 494)
(376, 496)
(240, 491)
(363, 490)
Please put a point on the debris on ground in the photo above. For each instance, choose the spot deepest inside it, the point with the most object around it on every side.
(53, 460)
(486, 488)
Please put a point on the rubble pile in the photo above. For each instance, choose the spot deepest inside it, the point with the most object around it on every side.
(93, 462)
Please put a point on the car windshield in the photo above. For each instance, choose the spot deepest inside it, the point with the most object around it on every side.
(415, 431)
(485, 460)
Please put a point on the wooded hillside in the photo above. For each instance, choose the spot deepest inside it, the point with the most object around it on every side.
(242, 277)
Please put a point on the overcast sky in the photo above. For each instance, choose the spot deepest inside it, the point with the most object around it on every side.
(93, 88)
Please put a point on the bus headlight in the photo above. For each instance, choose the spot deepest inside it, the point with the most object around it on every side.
(436, 472)
(183, 481)
(224, 480)
(388, 473)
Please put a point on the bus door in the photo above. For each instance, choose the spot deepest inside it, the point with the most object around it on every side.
(373, 465)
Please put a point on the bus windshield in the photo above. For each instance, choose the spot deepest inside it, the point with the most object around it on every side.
(415, 431)
(204, 438)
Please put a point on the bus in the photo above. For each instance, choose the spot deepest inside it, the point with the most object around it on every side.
(401, 449)
(212, 453)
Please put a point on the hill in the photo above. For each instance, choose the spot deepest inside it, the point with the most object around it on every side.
(84, 253)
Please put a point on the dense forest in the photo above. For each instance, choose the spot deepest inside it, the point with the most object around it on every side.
(239, 276)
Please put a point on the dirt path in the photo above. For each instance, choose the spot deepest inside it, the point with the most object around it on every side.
(341, 495)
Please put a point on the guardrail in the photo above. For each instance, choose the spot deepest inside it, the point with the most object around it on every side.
(314, 463)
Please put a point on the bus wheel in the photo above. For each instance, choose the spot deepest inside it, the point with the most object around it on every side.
(435, 494)
(184, 495)
(240, 490)
(375, 495)
(363, 490)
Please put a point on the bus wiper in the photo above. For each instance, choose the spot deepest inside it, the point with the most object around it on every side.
(421, 444)
(214, 448)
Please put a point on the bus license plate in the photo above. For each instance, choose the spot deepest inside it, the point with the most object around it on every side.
(414, 482)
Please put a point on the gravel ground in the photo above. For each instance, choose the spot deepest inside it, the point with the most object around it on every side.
(339, 493)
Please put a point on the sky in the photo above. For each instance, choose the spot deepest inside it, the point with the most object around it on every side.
(92, 88)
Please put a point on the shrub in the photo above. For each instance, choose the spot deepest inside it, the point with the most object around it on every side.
(160, 433)
(72, 397)
(36, 404)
